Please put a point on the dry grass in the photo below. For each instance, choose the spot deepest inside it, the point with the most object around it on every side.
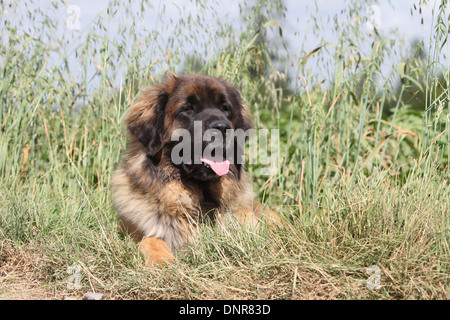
(323, 254)
(23, 273)
(363, 177)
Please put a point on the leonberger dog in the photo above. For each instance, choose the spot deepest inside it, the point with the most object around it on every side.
(160, 201)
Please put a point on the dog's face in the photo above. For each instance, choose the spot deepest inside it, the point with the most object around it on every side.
(209, 110)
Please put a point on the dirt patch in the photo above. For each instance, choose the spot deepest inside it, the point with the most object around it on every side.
(22, 273)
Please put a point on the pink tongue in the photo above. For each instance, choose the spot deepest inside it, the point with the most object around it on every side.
(220, 168)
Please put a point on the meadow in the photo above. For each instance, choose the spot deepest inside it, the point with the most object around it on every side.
(363, 176)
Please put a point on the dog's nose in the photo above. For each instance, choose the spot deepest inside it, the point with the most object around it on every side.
(220, 125)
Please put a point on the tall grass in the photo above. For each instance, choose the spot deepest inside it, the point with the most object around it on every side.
(363, 175)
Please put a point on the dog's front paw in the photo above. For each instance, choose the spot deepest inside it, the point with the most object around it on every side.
(156, 251)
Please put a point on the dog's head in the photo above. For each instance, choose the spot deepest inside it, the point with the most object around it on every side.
(193, 121)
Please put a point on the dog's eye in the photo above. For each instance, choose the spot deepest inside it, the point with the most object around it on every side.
(225, 107)
(187, 108)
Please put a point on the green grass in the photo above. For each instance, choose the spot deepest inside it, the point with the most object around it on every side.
(363, 177)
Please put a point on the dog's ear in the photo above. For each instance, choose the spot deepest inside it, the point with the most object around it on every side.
(148, 126)
(145, 119)
(243, 121)
(243, 118)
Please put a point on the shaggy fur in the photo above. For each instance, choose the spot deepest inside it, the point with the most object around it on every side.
(160, 203)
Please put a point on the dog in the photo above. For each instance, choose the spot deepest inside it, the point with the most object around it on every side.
(160, 202)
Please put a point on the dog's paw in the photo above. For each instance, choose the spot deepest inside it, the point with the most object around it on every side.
(156, 251)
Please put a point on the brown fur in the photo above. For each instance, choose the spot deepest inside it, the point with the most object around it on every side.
(158, 203)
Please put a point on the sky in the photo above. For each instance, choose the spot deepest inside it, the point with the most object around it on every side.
(393, 18)
(387, 14)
